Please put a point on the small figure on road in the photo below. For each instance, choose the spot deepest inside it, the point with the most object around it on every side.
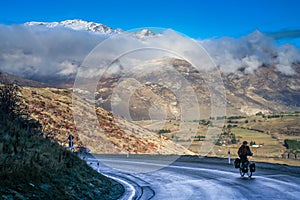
(244, 151)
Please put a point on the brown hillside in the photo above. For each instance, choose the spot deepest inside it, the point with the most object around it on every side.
(53, 108)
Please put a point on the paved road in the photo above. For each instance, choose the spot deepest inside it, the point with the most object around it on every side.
(153, 177)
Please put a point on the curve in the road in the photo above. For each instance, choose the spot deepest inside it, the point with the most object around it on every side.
(185, 180)
(130, 190)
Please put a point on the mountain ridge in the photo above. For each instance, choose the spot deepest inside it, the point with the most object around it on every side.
(6, 78)
(78, 24)
(252, 85)
(265, 90)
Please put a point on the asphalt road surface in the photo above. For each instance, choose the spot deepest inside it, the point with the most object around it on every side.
(158, 177)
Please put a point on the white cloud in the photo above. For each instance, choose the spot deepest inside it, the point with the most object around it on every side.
(250, 52)
(68, 68)
(43, 52)
(39, 52)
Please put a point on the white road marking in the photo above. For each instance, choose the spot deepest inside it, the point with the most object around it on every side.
(131, 188)
(130, 191)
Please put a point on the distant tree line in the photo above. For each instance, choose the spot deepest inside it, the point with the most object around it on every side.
(236, 117)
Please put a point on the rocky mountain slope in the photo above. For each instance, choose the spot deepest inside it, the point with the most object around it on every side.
(109, 134)
(266, 90)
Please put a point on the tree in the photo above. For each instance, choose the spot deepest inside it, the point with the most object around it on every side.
(233, 139)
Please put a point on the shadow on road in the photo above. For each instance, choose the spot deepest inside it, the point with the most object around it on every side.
(246, 178)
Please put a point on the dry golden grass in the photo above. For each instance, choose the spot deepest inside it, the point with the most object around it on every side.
(269, 136)
(103, 133)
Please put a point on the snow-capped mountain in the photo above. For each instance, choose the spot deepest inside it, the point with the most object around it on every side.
(81, 25)
(144, 33)
(78, 24)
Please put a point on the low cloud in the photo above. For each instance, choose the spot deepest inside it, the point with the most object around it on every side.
(250, 52)
(39, 52)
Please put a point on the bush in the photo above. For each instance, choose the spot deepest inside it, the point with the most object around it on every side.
(229, 126)
(164, 131)
(233, 139)
(10, 102)
(204, 122)
(259, 114)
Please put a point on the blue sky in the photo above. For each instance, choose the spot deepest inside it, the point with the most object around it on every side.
(197, 19)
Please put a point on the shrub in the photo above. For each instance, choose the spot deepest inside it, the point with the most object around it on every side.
(164, 131)
(10, 102)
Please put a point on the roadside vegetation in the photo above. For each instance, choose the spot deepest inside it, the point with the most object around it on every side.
(33, 166)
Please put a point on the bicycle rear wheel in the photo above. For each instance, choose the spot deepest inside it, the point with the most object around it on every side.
(249, 173)
(242, 173)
